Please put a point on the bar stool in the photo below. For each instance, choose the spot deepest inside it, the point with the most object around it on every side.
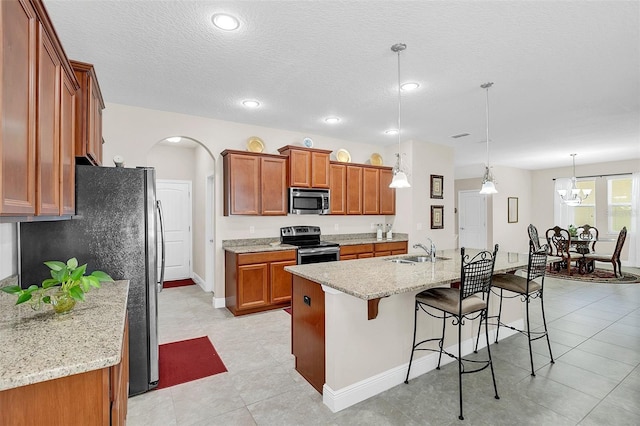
(460, 304)
(527, 289)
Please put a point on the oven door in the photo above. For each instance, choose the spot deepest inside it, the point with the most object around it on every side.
(318, 254)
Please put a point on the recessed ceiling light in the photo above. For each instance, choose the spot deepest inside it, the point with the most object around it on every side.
(174, 139)
(391, 132)
(332, 120)
(409, 86)
(225, 22)
(250, 103)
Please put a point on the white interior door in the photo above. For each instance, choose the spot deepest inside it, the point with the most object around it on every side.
(175, 196)
(472, 219)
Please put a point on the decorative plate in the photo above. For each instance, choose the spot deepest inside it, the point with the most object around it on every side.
(343, 156)
(255, 144)
(307, 142)
(376, 159)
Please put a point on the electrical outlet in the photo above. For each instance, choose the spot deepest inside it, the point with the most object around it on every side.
(419, 226)
(252, 229)
(336, 227)
(373, 225)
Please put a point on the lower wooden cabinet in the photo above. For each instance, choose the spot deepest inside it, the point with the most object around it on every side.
(97, 397)
(361, 251)
(257, 282)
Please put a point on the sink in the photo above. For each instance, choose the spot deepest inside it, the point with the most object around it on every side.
(416, 259)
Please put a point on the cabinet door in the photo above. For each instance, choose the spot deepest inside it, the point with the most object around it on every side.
(94, 144)
(274, 186)
(280, 282)
(48, 130)
(338, 188)
(18, 31)
(387, 195)
(319, 170)
(370, 190)
(67, 151)
(300, 168)
(242, 184)
(253, 285)
(354, 190)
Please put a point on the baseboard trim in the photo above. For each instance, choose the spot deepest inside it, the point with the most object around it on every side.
(198, 280)
(343, 398)
(219, 302)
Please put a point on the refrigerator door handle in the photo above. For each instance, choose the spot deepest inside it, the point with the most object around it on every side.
(162, 245)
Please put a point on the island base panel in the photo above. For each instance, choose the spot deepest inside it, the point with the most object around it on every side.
(307, 331)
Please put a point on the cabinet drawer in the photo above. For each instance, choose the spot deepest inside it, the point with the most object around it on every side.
(266, 257)
(356, 249)
(396, 245)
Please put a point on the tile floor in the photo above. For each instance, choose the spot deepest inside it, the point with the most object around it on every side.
(595, 334)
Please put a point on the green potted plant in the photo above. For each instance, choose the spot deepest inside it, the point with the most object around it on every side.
(68, 284)
(573, 231)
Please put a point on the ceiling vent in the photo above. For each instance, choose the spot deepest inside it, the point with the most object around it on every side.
(460, 135)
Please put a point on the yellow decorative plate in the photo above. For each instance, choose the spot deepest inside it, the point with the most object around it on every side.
(343, 156)
(376, 159)
(255, 144)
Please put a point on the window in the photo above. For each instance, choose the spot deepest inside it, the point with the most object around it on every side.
(618, 203)
(585, 213)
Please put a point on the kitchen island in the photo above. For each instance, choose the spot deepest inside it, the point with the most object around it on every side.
(72, 367)
(352, 321)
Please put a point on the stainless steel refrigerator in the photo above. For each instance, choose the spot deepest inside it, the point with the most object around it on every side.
(117, 229)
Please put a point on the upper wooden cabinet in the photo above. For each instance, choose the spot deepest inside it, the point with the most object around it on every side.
(370, 190)
(38, 87)
(354, 189)
(254, 184)
(338, 188)
(89, 106)
(308, 167)
(387, 195)
(361, 189)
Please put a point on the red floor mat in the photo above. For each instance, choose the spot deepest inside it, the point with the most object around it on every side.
(188, 360)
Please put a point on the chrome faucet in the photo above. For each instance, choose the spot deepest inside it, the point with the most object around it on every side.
(431, 252)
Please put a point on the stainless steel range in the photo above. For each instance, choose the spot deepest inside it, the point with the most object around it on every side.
(310, 248)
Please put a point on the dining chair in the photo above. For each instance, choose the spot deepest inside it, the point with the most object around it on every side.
(468, 302)
(589, 259)
(559, 243)
(586, 233)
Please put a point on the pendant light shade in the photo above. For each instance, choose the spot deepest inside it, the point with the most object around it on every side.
(488, 182)
(399, 171)
(574, 196)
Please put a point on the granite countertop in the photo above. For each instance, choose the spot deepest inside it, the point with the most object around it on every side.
(273, 244)
(36, 346)
(378, 277)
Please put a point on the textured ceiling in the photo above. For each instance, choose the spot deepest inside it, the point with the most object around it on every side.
(566, 74)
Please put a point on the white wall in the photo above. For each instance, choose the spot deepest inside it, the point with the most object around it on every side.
(8, 250)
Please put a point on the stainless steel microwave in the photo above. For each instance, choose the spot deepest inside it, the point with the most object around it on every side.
(308, 201)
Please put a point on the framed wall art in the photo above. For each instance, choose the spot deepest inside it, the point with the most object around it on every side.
(437, 182)
(437, 217)
(512, 209)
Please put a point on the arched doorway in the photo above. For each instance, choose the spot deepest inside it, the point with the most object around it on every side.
(186, 160)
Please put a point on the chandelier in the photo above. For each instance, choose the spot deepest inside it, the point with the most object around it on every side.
(399, 172)
(574, 196)
(488, 182)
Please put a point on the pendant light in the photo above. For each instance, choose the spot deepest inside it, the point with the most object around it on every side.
(488, 182)
(575, 195)
(399, 173)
